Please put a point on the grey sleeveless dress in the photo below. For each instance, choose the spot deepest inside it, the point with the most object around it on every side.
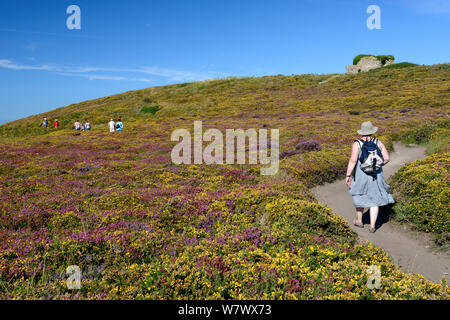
(368, 192)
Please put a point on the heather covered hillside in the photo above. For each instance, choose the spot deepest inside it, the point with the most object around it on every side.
(140, 226)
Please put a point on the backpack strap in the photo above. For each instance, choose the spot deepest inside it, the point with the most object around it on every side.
(372, 139)
(360, 142)
(378, 143)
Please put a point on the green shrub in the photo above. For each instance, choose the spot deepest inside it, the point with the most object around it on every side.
(422, 133)
(359, 57)
(384, 58)
(401, 65)
(439, 141)
(152, 109)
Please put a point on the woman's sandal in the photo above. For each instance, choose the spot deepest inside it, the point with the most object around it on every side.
(358, 224)
(372, 230)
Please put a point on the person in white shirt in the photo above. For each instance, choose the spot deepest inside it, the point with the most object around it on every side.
(112, 126)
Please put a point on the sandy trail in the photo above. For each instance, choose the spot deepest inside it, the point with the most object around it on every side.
(411, 251)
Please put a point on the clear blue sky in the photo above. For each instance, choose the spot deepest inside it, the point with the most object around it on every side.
(134, 44)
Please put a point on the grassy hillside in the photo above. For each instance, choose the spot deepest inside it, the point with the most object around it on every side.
(141, 227)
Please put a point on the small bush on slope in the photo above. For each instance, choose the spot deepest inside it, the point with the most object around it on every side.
(439, 141)
(424, 132)
(152, 109)
(401, 65)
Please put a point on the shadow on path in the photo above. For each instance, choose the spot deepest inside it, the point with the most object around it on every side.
(383, 216)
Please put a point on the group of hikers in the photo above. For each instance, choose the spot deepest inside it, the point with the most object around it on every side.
(115, 126)
(86, 125)
(46, 124)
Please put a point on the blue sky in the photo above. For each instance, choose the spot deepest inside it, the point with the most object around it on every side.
(135, 44)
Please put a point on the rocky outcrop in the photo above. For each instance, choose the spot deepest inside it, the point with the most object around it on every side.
(388, 62)
(366, 64)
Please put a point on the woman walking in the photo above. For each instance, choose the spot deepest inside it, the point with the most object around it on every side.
(365, 175)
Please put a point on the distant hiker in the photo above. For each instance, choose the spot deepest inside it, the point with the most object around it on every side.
(87, 126)
(112, 125)
(82, 127)
(365, 175)
(77, 125)
(44, 123)
(119, 125)
(56, 124)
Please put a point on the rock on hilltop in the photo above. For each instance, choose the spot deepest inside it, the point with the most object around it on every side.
(363, 63)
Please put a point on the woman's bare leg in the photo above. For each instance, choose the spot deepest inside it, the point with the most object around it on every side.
(373, 216)
(359, 214)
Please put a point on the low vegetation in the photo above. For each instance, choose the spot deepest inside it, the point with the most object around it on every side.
(140, 227)
(421, 187)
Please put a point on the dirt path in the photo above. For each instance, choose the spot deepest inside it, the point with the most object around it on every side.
(411, 251)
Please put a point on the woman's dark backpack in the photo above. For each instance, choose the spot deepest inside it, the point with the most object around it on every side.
(371, 159)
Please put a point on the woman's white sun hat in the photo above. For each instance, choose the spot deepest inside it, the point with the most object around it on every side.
(367, 128)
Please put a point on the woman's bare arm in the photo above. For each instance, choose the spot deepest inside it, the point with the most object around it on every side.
(384, 153)
(352, 162)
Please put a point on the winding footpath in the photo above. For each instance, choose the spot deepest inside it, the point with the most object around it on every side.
(411, 251)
